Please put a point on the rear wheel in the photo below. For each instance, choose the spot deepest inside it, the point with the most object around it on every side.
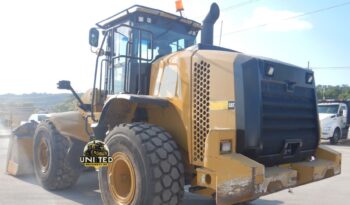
(336, 136)
(52, 169)
(147, 167)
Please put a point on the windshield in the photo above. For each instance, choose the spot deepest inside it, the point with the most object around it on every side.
(168, 38)
(42, 117)
(331, 109)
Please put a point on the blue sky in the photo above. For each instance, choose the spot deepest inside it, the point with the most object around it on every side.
(321, 38)
(46, 41)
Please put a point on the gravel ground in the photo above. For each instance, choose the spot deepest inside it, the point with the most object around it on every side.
(25, 190)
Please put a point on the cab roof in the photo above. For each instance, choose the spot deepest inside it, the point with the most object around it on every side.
(330, 103)
(127, 15)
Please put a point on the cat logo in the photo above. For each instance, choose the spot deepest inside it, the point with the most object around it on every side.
(96, 154)
(231, 105)
(222, 105)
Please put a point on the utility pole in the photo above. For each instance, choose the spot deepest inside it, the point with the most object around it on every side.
(220, 32)
(10, 121)
(323, 90)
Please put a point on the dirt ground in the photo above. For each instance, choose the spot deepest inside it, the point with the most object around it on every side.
(25, 190)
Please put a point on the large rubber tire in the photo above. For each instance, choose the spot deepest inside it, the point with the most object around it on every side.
(336, 136)
(157, 164)
(58, 174)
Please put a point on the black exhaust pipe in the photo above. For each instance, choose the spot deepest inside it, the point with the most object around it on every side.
(207, 33)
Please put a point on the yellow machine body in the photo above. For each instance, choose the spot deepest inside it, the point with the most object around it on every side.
(198, 86)
(199, 123)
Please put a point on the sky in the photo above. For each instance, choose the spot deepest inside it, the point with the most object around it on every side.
(42, 42)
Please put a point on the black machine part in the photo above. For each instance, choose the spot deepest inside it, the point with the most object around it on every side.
(277, 118)
(65, 85)
(207, 33)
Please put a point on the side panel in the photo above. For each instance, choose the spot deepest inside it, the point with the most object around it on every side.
(199, 85)
(212, 91)
(170, 79)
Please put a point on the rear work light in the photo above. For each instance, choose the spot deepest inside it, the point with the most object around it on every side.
(270, 71)
(225, 146)
(309, 78)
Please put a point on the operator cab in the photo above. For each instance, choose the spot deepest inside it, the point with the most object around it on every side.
(132, 40)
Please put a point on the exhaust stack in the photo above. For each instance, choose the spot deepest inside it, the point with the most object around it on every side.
(207, 33)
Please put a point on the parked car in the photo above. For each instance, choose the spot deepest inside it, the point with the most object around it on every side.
(37, 118)
(334, 120)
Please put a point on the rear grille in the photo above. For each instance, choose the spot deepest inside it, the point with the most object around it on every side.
(287, 115)
(200, 108)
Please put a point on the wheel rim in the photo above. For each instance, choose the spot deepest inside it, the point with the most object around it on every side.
(43, 154)
(121, 175)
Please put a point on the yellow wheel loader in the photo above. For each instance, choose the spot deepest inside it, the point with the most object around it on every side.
(172, 113)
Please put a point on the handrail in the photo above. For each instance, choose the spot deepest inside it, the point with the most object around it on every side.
(139, 58)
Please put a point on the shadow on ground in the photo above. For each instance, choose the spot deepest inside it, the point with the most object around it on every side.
(86, 190)
(265, 202)
(343, 142)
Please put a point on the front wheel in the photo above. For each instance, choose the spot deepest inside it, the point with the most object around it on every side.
(147, 167)
(52, 169)
(336, 136)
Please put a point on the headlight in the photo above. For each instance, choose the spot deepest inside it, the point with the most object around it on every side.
(326, 129)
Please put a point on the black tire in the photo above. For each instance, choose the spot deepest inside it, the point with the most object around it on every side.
(336, 136)
(157, 161)
(346, 134)
(58, 174)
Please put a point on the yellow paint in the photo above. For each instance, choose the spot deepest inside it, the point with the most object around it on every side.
(70, 124)
(172, 79)
(176, 119)
(218, 105)
(122, 178)
(20, 156)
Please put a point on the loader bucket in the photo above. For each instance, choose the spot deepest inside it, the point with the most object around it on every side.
(20, 150)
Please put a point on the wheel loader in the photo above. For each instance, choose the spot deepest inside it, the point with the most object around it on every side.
(174, 112)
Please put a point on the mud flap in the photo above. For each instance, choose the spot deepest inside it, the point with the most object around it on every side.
(20, 150)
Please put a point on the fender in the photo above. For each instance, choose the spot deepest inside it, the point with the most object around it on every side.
(70, 124)
(122, 108)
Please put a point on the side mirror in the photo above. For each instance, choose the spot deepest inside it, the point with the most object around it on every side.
(93, 37)
(64, 85)
(341, 113)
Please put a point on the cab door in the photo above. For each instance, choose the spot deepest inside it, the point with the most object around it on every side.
(342, 116)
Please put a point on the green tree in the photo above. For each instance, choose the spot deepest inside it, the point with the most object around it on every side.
(68, 105)
(338, 92)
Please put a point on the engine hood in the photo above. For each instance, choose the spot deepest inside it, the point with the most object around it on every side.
(325, 116)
